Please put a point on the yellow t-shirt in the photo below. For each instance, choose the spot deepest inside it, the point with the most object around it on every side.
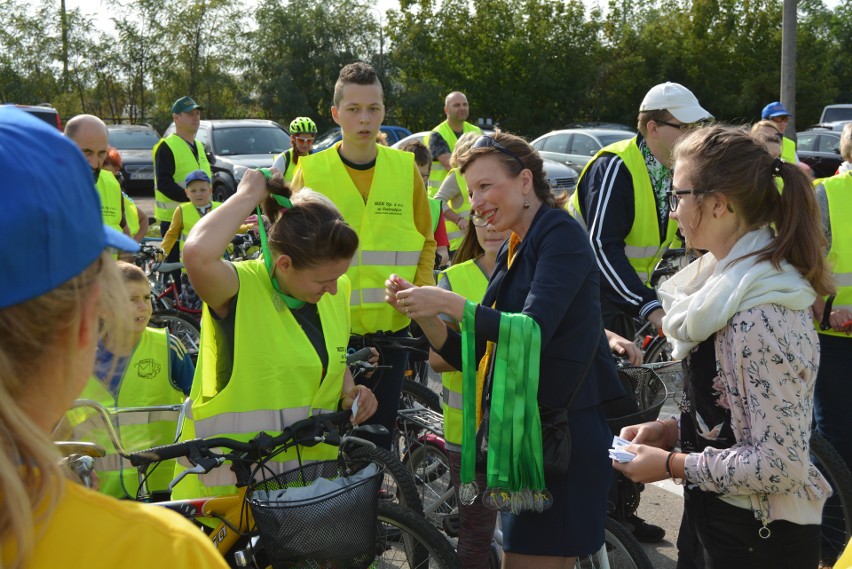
(94, 531)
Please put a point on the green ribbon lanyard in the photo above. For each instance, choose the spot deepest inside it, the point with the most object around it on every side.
(291, 302)
(515, 465)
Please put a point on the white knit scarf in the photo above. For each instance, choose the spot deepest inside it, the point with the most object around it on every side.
(702, 298)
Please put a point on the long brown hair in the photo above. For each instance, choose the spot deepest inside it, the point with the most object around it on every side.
(729, 161)
(469, 248)
(312, 231)
(528, 156)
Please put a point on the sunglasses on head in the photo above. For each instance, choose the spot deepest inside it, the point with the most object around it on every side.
(486, 141)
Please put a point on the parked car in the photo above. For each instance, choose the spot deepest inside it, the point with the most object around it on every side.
(561, 177)
(135, 143)
(576, 147)
(835, 113)
(330, 137)
(237, 145)
(45, 112)
(819, 149)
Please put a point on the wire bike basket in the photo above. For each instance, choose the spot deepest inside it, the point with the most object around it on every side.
(649, 392)
(320, 515)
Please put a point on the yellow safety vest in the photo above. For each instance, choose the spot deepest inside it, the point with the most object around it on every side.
(389, 240)
(185, 163)
(287, 156)
(838, 189)
(454, 232)
(435, 211)
(788, 150)
(468, 280)
(276, 376)
(642, 246)
(131, 214)
(109, 191)
(438, 173)
(146, 381)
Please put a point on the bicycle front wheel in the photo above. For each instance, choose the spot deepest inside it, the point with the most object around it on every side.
(181, 328)
(620, 551)
(837, 512)
(405, 539)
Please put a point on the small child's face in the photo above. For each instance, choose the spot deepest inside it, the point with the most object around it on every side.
(424, 172)
(139, 295)
(199, 193)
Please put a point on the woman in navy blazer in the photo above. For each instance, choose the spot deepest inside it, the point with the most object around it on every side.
(554, 280)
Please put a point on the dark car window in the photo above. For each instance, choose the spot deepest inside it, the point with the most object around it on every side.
(805, 141)
(250, 140)
(557, 143)
(607, 139)
(837, 114)
(828, 143)
(583, 145)
(133, 139)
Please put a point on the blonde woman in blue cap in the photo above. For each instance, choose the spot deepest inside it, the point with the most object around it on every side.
(52, 297)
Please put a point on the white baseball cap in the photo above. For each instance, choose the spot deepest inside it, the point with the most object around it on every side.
(676, 99)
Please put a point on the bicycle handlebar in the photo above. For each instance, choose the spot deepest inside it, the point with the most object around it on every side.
(307, 432)
(362, 355)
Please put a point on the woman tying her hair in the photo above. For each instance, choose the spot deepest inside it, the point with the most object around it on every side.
(545, 353)
(274, 331)
(53, 294)
(740, 318)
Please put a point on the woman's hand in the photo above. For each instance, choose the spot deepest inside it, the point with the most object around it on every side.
(652, 433)
(367, 403)
(254, 184)
(422, 302)
(373, 360)
(648, 466)
(841, 320)
(624, 348)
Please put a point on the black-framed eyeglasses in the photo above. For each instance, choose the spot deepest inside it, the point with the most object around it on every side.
(486, 141)
(681, 126)
(674, 196)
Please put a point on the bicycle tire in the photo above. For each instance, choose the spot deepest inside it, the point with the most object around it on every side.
(837, 512)
(405, 539)
(431, 467)
(623, 551)
(182, 328)
(398, 483)
(657, 351)
(415, 393)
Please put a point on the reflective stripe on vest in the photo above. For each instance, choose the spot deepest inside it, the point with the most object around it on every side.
(109, 191)
(438, 173)
(454, 233)
(276, 376)
(185, 162)
(146, 381)
(468, 280)
(389, 239)
(838, 189)
(643, 247)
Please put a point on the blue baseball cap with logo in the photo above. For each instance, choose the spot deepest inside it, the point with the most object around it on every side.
(196, 175)
(775, 109)
(53, 214)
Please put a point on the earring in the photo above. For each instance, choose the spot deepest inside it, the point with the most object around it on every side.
(526, 203)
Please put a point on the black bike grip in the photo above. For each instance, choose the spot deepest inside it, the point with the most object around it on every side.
(362, 355)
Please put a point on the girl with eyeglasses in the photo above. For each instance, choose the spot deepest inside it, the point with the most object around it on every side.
(538, 323)
(740, 318)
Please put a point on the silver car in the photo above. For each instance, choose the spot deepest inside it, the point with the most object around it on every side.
(575, 147)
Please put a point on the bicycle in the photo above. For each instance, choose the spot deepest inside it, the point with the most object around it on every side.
(251, 526)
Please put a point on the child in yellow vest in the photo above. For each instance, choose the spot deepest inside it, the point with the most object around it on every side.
(146, 366)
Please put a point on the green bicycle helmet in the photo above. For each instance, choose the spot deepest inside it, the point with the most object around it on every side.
(303, 124)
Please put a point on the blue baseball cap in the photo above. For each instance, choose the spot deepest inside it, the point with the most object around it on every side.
(775, 109)
(56, 210)
(196, 175)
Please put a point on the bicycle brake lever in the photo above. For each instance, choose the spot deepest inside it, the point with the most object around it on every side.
(202, 466)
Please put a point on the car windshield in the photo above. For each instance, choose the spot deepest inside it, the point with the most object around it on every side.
(133, 139)
(250, 140)
(837, 114)
(607, 139)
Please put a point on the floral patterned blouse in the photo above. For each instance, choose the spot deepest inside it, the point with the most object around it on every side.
(766, 361)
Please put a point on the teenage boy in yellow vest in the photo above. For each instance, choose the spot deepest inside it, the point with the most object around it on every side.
(174, 158)
(148, 367)
(381, 195)
(90, 135)
(442, 140)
